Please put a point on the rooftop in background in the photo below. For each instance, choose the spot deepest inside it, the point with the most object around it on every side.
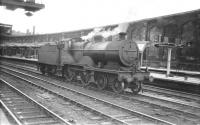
(5, 29)
(27, 5)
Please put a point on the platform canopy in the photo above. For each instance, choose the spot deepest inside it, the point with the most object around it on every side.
(5, 29)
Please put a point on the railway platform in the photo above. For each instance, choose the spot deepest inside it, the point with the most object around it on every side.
(175, 78)
(183, 76)
(156, 73)
(20, 58)
(163, 70)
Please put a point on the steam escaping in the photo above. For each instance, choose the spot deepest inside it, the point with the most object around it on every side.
(91, 34)
(107, 31)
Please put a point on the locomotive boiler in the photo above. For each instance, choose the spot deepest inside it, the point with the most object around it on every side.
(122, 52)
(103, 63)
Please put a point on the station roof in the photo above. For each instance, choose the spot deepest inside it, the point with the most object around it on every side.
(36, 44)
(5, 29)
(179, 17)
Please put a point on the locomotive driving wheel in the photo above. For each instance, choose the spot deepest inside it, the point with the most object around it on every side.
(101, 81)
(85, 79)
(136, 87)
(69, 75)
(117, 86)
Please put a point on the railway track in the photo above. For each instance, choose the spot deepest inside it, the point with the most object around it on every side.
(98, 116)
(167, 93)
(24, 110)
(154, 92)
(117, 113)
(174, 112)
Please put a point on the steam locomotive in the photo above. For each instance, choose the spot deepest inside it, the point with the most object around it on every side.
(101, 62)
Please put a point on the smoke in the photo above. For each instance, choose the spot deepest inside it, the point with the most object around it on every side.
(106, 31)
(109, 32)
(91, 34)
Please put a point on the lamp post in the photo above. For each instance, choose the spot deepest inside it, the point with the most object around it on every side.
(169, 51)
(169, 60)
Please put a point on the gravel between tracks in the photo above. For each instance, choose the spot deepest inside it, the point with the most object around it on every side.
(135, 106)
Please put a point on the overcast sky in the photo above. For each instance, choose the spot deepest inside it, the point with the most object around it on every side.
(67, 15)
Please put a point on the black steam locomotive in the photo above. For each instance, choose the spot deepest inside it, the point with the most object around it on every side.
(104, 63)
